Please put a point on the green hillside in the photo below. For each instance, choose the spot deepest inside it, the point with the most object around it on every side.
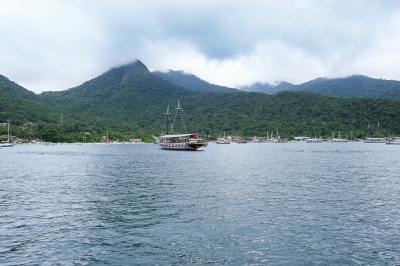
(353, 86)
(128, 98)
(20, 106)
(130, 102)
(191, 82)
(295, 113)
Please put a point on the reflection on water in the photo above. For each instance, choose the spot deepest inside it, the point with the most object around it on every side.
(291, 203)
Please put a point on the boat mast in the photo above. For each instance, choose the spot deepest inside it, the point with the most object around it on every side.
(178, 121)
(8, 131)
(179, 109)
(167, 120)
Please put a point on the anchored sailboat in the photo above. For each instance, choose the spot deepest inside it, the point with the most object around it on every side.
(223, 140)
(8, 143)
(337, 139)
(178, 141)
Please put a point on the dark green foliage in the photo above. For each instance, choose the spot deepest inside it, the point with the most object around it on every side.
(191, 82)
(20, 105)
(354, 86)
(127, 98)
(130, 102)
(294, 113)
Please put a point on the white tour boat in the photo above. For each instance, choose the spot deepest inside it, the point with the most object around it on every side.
(179, 141)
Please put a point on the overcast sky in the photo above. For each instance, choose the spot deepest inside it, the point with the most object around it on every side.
(55, 45)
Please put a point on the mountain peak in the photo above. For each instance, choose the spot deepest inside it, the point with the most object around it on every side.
(134, 66)
(129, 71)
(119, 75)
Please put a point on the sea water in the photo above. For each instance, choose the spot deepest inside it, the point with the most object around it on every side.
(236, 204)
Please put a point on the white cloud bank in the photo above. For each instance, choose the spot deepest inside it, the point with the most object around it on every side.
(55, 45)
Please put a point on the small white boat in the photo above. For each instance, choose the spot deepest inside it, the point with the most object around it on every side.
(223, 140)
(107, 142)
(393, 141)
(8, 143)
(374, 140)
(48, 144)
(314, 140)
(4, 145)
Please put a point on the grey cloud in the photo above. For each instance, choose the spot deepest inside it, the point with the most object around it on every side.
(227, 35)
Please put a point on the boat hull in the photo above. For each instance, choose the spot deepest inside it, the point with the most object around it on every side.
(392, 143)
(374, 141)
(338, 140)
(180, 142)
(6, 145)
(314, 141)
(181, 146)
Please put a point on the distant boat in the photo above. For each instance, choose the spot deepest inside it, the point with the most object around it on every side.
(8, 143)
(314, 140)
(374, 140)
(393, 141)
(4, 145)
(179, 141)
(337, 139)
(241, 141)
(48, 143)
(107, 142)
(223, 140)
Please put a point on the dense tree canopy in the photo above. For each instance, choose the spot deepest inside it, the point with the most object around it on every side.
(130, 102)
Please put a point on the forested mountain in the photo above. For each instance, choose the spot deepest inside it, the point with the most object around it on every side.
(191, 82)
(297, 113)
(125, 98)
(353, 86)
(21, 105)
(131, 98)
(129, 101)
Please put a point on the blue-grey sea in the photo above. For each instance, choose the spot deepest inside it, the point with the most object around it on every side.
(236, 204)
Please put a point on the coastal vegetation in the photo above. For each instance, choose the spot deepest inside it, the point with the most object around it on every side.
(130, 102)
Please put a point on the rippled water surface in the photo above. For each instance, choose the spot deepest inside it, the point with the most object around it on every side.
(237, 204)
